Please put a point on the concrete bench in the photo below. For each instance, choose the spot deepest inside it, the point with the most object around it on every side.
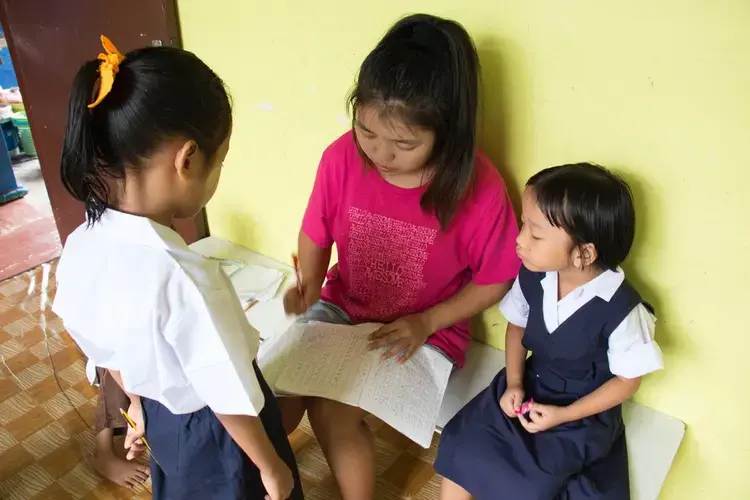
(653, 438)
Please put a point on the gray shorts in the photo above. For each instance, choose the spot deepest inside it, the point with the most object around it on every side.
(325, 312)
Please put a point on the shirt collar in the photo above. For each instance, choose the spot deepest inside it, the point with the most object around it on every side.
(139, 230)
(603, 286)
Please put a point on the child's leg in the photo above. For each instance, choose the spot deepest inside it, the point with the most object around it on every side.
(451, 491)
(109, 420)
(347, 444)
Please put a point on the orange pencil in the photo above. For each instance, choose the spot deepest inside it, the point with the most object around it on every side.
(295, 259)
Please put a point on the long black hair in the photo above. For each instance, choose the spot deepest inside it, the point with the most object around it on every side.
(425, 72)
(592, 205)
(158, 93)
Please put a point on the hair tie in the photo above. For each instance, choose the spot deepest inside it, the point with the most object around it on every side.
(110, 64)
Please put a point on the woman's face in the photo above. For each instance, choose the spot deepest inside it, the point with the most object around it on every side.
(395, 149)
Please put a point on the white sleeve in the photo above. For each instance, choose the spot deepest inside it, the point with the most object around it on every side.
(215, 344)
(632, 350)
(514, 306)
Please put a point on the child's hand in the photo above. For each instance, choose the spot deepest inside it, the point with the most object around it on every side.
(511, 400)
(402, 337)
(542, 417)
(278, 481)
(298, 303)
(133, 442)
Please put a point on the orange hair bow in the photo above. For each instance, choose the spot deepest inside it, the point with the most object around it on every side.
(110, 64)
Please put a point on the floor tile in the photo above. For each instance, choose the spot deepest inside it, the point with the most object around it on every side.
(47, 409)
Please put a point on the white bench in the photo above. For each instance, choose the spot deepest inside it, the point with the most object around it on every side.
(653, 438)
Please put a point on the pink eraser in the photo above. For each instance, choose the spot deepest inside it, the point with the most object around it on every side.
(525, 407)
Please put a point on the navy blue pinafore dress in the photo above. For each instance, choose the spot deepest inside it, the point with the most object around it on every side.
(200, 459)
(492, 456)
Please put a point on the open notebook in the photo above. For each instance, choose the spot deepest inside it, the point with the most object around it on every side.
(332, 361)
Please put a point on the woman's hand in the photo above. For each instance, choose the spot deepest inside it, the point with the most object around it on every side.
(543, 417)
(298, 299)
(278, 481)
(402, 337)
(511, 400)
(133, 442)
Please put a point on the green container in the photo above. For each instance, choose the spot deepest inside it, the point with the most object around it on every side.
(21, 122)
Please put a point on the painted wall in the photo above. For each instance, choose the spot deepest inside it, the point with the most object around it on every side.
(659, 90)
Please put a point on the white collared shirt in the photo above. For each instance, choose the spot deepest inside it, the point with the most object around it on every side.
(632, 350)
(136, 299)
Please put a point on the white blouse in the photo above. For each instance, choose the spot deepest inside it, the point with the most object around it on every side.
(632, 350)
(136, 299)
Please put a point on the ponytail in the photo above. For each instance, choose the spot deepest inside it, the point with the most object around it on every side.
(150, 100)
(79, 168)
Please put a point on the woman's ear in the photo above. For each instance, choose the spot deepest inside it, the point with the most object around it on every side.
(186, 158)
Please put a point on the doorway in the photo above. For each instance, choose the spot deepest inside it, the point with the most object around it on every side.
(28, 234)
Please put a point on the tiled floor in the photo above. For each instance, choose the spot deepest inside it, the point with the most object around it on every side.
(47, 411)
(28, 235)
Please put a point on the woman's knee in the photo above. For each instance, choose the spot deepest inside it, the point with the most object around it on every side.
(327, 416)
(292, 411)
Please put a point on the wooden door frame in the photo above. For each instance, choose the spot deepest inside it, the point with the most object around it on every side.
(193, 229)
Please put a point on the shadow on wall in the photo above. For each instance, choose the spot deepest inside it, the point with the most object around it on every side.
(648, 241)
(494, 123)
(495, 117)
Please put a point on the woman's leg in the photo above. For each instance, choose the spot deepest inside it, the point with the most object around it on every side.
(451, 491)
(347, 444)
(292, 411)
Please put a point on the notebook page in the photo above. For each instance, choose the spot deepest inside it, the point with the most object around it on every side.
(274, 353)
(329, 361)
(408, 396)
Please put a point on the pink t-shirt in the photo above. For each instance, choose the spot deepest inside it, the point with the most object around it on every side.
(393, 258)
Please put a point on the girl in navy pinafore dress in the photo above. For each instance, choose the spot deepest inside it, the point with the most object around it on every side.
(550, 426)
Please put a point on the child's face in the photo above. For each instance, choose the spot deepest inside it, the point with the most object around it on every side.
(200, 187)
(394, 148)
(541, 246)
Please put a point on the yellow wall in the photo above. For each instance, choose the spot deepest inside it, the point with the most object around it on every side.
(658, 89)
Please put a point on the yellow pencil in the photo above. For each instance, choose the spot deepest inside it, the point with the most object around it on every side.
(143, 439)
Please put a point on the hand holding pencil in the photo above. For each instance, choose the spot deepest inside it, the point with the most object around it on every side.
(135, 438)
(300, 297)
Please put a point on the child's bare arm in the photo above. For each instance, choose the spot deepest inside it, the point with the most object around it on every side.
(515, 355)
(609, 395)
(249, 434)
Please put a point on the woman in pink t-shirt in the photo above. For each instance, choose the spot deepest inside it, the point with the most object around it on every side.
(423, 226)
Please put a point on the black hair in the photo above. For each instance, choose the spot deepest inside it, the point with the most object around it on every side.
(158, 93)
(592, 205)
(425, 72)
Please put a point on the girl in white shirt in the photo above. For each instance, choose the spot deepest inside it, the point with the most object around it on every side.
(162, 319)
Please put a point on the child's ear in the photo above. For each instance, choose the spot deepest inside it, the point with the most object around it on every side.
(186, 158)
(586, 255)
